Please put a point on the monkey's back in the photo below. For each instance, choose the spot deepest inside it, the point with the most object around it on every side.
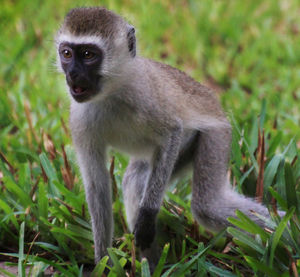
(197, 105)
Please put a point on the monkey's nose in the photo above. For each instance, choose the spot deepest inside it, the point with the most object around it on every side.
(74, 75)
(78, 90)
(75, 80)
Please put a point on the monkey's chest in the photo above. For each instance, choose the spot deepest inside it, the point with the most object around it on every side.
(116, 125)
(134, 139)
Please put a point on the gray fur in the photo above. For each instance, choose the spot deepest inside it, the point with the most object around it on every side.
(165, 121)
(135, 179)
(93, 21)
(163, 162)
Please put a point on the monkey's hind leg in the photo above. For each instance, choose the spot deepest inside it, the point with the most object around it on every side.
(134, 183)
(213, 199)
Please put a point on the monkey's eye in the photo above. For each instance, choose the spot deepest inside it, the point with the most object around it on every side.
(88, 55)
(67, 54)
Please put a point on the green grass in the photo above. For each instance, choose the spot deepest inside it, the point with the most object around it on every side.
(247, 51)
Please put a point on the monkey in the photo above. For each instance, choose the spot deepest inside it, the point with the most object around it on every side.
(167, 123)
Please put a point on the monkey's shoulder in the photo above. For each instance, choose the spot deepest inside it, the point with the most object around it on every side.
(182, 96)
(188, 85)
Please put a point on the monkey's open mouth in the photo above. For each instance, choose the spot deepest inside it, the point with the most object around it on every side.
(81, 94)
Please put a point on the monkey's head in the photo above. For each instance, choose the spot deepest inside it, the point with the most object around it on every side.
(94, 45)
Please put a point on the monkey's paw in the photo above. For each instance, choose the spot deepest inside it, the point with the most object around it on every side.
(144, 230)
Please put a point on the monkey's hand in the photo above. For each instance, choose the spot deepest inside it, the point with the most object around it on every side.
(144, 230)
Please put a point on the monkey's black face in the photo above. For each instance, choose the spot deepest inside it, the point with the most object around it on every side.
(81, 64)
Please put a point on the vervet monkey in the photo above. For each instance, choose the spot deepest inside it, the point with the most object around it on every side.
(166, 121)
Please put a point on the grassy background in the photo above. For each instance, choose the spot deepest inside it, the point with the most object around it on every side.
(249, 52)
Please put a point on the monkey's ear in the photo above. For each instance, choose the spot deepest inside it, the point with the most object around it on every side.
(131, 40)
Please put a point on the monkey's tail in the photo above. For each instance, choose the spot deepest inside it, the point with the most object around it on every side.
(213, 214)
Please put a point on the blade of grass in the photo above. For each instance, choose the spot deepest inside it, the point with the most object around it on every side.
(246, 174)
(201, 252)
(21, 268)
(162, 260)
(119, 270)
(271, 171)
(22, 196)
(145, 268)
(6, 273)
(42, 201)
(253, 160)
(100, 267)
(9, 213)
(80, 271)
(278, 233)
(256, 229)
(290, 186)
(219, 271)
(262, 115)
(38, 269)
(183, 269)
(241, 236)
(48, 168)
(282, 203)
(261, 267)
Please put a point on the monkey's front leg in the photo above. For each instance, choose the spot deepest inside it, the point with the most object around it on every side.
(98, 195)
(162, 166)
